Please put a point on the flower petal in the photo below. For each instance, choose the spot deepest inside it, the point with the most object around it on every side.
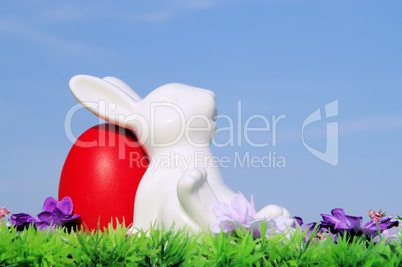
(271, 227)
(241, 206)
(256, 227)
(215, 227)
(328, 219)
(297, 221)
(218, 210)
(64, 221)
(283, 223)
(391, 234)
(252, 212)
(339, 214)
(45, 216)
(20, 219)
(65, 206)
(310, 227)
(43, 226)
(355, 222)
(50, 204)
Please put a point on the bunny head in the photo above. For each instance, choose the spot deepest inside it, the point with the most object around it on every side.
(173, 114)
(180, 114)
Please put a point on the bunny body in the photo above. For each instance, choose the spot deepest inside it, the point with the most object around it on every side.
(175, 124)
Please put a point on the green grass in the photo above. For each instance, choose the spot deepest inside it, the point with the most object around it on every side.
(178, 248)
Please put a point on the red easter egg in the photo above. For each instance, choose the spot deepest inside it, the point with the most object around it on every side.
(101, 174)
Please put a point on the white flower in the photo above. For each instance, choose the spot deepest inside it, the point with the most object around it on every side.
(388, 234)
(241, 213)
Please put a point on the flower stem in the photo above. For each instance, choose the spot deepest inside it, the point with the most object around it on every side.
(378, 230)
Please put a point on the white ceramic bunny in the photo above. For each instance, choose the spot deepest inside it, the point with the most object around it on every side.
(174, 123)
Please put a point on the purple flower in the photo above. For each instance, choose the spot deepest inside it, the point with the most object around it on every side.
(370, 228)
(241, 213)
(23, 220)
(299, 221)
(309, 227)
(339, 222)
(53, 213)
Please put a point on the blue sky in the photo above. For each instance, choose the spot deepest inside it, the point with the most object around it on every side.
(276, 57)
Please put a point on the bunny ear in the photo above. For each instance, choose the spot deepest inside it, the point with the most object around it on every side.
(103, 98)
(123, 86)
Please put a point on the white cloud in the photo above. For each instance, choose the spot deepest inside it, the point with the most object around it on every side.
(156, 16)
(199, 4)
(389, 122)
(65, 12)
(129, 11)
(55, 44)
